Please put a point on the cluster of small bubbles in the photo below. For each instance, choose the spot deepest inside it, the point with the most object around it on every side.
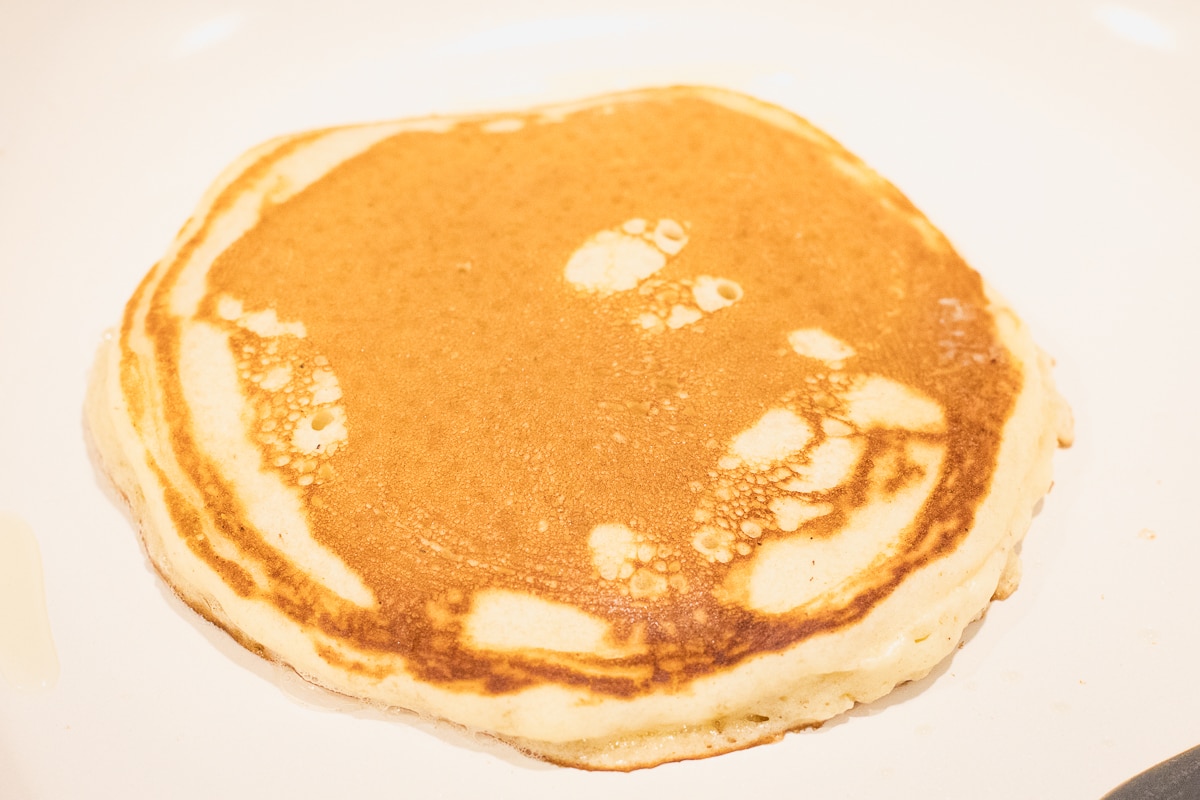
(636, 562)
(776, 476)
(741, 503)
(292, 393)
(674, 304)
(822, 396)
(628, 256)
(669, 305)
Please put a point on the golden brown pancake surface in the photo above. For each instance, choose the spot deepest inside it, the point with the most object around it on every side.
(617, 398)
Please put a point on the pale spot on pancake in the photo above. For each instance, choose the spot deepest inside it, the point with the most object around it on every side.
(613, 547)
(229, 308)
(681, 316)
(874, 401)
(835, 427)
(779, 434)
(613, 262)
(713, 294)
(831, 462)
(267, 323)
(751, 528)
(325, 388)
(787, 573)
(509, 621)
(649, 321)
(669, 236)
(316, 432)
(277, 377)
(209, 377)
(503, 125)
(646, 584)
(634, 227)
(791, 512)
(817, 344)
(715, 544)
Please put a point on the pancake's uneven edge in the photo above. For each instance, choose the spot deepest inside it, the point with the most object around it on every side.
(839, 670)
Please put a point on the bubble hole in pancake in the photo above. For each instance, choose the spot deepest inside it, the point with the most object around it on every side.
(639, 429)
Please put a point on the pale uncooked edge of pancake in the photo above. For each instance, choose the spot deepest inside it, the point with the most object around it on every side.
(810, 682)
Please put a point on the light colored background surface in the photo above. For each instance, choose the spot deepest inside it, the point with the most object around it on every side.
(1056, 145)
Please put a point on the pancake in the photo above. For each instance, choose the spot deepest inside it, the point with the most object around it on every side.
(639, 429)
